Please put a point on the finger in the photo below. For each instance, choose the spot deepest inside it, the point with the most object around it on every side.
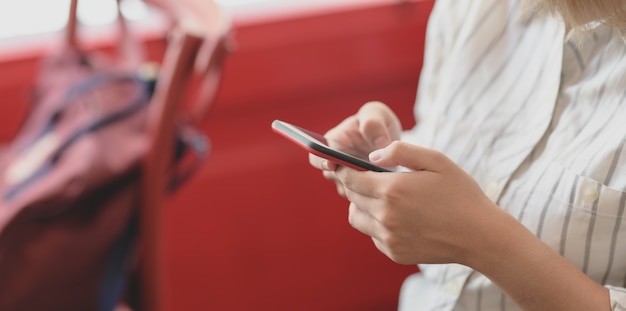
(369, 190)
(362, 221)
(339, 135)
(364, 194)
(382, 247)
(347, 137)
(410, 156)
(321, 163)
(330, 175)
(361, 183)
(378, 124)
(340, 190)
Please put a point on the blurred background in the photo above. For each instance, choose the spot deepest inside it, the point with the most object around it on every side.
(257, 228)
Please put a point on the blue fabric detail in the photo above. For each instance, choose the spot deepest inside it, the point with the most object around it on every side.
(97, 81)
(116, 271)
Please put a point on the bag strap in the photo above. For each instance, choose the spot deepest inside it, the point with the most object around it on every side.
(162, 118)
(209, 60)
(209, 64)
(71, 38)
(130, 52)
(190, 51)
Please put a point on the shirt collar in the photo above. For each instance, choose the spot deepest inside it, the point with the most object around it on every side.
(593, 25)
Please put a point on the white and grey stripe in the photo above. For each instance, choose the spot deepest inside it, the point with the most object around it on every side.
(539, 121)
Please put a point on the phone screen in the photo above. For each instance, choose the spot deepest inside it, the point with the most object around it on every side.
(316, 143)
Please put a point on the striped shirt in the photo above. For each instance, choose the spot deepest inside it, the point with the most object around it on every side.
(538, 118)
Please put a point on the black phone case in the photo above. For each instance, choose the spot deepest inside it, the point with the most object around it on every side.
(317, 144)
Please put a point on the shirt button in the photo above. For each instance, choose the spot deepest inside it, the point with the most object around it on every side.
(590, 194)
(492, 190)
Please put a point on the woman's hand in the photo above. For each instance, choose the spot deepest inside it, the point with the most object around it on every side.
(435, 214)
(373, 127)
(439, 214)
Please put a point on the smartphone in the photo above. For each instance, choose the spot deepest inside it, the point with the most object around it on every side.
(317, 145)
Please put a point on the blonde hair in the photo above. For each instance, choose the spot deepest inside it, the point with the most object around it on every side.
(577, 13)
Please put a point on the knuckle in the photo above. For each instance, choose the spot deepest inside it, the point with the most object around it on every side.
(368, 125)
(386, 221)
(391, 192)
(391, 227)
(394, 251)
(347, 193)
(396, 148)
(348, 183)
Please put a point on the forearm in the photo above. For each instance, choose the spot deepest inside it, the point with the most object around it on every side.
(531, 273)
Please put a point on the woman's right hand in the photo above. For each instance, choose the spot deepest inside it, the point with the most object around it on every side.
(373, 127)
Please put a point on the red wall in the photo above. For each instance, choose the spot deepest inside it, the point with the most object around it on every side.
(257, 228)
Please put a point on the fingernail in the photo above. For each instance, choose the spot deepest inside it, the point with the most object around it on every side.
(376, 155)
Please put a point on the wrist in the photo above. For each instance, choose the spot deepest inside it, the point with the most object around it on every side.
(530, 272)
(505, 246)
(490, 238)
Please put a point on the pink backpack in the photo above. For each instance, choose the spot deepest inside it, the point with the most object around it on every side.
(81, 184)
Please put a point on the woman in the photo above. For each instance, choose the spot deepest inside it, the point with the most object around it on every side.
(514, 196)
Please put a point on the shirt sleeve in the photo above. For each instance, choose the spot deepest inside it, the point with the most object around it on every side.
(445, 23)
(436, 48)
(618, 298)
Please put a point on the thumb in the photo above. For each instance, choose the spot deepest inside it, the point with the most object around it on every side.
(375, 132)
(411, 156)
(378, 124)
